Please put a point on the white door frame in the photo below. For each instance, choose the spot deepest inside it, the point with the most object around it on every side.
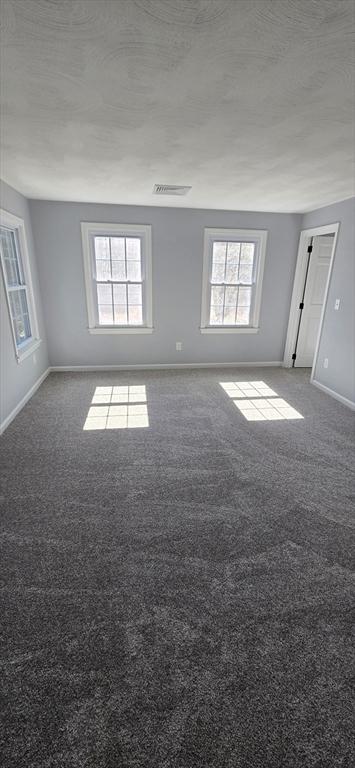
(298, 286)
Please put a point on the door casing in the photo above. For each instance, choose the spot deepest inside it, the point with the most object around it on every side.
(317, 274)
(298, 286)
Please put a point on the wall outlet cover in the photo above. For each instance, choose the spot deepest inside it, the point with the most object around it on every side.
(326, 361)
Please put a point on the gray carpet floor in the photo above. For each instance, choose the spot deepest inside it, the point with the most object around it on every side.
(177, 595)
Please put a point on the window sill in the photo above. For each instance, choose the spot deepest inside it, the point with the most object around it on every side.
(120, 330)
(27, 350)
(228, 329)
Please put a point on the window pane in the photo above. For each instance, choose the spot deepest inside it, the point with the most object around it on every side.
(134, 270)
(117, 249)
(119, 294)
(105, 314)
(233, 252)
(216, 315)
(134, 295)
(102, 258)
(244, 298)
(121, 314)
(217, 295)
(218, 270)
(15, 301)
(218, 262)
(102, 248)
(135, 316)
(219, 252)
(243, 315)
(11, 272)
(23, 298)
(104, 298)
(104, 294)
(19, 330)
(247, 254)
(133, 245)
(8, 243)
(231, 273)
(118, 262)
(119, 270)
(229, 316)
(20, 315)
(103, 269)
(17, 256)
(120, 304)
(245, 272)
(231, 296)
(27, 326)
(11, 257)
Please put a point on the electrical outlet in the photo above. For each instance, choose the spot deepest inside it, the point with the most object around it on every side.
(326, 361)
(34, 358)
(337, 304)
(178, 346)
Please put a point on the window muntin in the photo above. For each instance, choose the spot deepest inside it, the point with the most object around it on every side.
(16, 287)
(117, 267)
(231, 282)
(233, 265)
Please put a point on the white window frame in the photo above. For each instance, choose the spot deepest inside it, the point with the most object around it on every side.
(88, 231)
(257, 236)
(15, 224)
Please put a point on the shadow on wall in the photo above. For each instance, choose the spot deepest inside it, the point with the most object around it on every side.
(258, 402)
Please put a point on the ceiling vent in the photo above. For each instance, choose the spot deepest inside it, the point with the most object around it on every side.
(170, 189)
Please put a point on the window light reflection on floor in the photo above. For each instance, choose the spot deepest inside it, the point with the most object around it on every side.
(258, 402)
(121, 407)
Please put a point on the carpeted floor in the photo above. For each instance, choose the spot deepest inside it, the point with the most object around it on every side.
(178, 595)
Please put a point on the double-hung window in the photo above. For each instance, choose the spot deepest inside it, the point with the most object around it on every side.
(117, 267)
(18, 284)
(232, 280)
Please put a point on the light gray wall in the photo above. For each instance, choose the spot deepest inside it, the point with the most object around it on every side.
(17, 378)
(338, 333)
(177, 273)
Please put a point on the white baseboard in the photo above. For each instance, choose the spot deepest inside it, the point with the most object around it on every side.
(156, 366)
(23, 401)
(160, 366)
(332, 393)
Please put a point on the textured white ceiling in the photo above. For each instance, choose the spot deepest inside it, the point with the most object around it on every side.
(249, 101)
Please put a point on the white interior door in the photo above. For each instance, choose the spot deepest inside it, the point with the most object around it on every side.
(313, 300)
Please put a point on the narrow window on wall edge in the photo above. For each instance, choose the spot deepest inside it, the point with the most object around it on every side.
(17, 279)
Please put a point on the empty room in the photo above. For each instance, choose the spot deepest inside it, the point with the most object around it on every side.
(177, 450)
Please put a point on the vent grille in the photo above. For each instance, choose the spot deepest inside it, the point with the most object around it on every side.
(170, 189)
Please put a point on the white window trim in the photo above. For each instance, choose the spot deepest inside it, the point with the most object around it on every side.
(257, 236)
(14, 223)
(88, 230)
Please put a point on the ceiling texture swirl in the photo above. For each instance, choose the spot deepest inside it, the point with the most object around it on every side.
(251, 102)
